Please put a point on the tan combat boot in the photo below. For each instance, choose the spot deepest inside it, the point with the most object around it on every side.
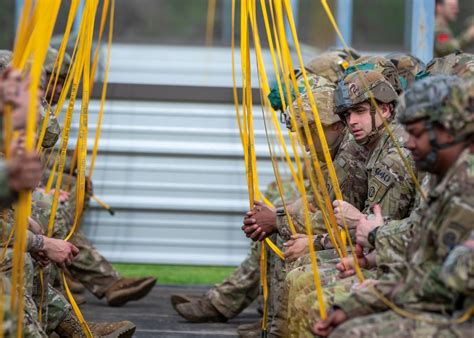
(71, 328)
(180, 298)
(128, 289)
(200, 311)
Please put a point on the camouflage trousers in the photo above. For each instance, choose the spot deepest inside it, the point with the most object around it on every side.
(7, 318)
(241, 288)
(44, 306)
(390, 324)
(303, 307)
(89, 266)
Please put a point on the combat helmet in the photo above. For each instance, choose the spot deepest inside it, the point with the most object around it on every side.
(408, 66)
(443, 100)
(460, 64)
(330, 65)
(362, 86)
(381, 65)
(50, 61)
(323, 95)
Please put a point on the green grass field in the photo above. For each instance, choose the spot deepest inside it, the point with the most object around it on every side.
(177, 274)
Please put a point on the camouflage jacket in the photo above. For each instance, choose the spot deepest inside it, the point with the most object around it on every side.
(393, 238)
(349, 164)
(446, 222)
(445, 42)
(458, 269)
(7, 196)
(34, 241)
(388, 181)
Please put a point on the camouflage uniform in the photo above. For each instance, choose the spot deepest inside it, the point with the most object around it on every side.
(348, 158)
(458, 268)
(388, 184)
(89, 266)
(242, 287)
(445, 41)
(446, 223)
(7, 196)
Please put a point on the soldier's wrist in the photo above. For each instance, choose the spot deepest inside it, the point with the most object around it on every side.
(37, 243)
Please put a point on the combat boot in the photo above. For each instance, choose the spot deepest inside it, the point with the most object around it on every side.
(250, 330)
(74, 285)
(128, 289)
(200, 311)
(180, 298)
(71, 328)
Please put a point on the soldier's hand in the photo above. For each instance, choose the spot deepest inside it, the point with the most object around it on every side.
(296, 247)
(24, 171)
(346, 265)
(40, 258)
(366, 225)
(265, 217)
(254, 232)
(59, 251)
(346, 211)
(324, 328)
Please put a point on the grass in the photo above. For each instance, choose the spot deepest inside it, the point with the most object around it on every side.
(177, 274)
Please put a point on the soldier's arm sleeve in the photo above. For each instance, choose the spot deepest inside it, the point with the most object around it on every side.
(33, 242)
(445, 43)
(7, 196)
(391, 187)
(363, 301)
(458, 270)
(451, 228)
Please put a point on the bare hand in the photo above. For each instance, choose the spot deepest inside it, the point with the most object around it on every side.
(324, 328)
(40, 258)
(59, 251)
(296, 247)
(346, 265)
(346, 211)
(259, 222)
(24, 171)
(365, 226)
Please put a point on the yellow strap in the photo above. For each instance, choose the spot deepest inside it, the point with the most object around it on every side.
(104, 91)
(211, 17)
(76, 309)
(419, 317)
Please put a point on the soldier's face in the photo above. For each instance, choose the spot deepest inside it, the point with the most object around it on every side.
(333, 137)
(449, 9)
(359, 119)
(53, 96)
(418, 143)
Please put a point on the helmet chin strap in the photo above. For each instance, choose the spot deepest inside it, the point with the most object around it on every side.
(432, 157)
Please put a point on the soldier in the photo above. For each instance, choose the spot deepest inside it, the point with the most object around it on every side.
(229, 298)
(349, 161)
(438, 115)
(394, 193)
(89, 267)
(445, 42)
